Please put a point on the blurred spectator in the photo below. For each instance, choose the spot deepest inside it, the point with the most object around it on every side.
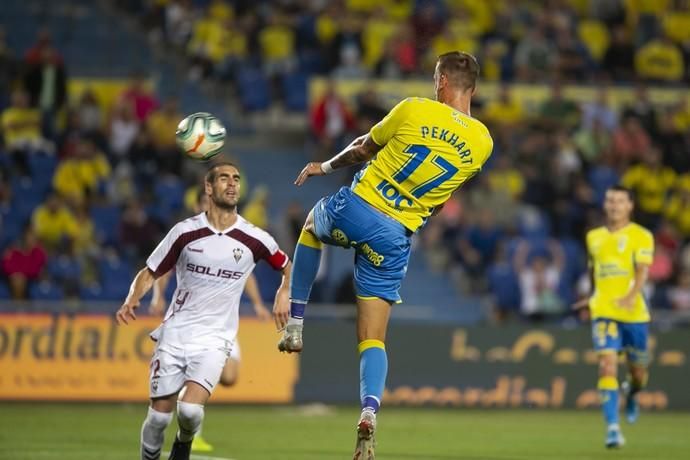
(399, 57)
(491, 193)
(643, 109)
(369, 110)
(22, 262)
(350, 67)
(347, 43)
(82, 176)
(293, 221)
(599, 111)
(179, 20)
(619, 59)
(256, 209)
(651, 182)
(679, 293)
(277, 42)
(9, 67)
(592, 142)
(21, 129)
(90, 113)
(535, 56)
(628, 141)
(162, 125)
(137, 233)
(124, 128)
(141, 98)
(53, 222)
(331, 120)
(504, 110)
(426, 23)
(574, 62)
(539, 276)
(660, 60)
(677, 210)
(558, 110)
(505, 177)
(379, 29)
(46, 81)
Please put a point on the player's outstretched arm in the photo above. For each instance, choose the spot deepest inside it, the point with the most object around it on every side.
(252, 291)
(360, 150)
(139, 287)
(281, 304)
(158, 299)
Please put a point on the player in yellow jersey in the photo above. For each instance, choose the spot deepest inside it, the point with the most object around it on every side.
(620, 253)
(417, 156)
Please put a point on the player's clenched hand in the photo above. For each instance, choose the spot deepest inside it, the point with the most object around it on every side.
(281, 308)
(312, 169)
(126, 312)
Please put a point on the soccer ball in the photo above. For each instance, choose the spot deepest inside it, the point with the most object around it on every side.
(200, 136)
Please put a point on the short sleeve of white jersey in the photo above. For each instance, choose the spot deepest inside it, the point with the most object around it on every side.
(164, 257)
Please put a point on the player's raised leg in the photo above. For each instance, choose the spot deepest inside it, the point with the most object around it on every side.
(157, 420)
(372, 322)
(608, 392)
(304, 268)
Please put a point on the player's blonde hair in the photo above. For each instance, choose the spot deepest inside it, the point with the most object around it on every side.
(460, 68)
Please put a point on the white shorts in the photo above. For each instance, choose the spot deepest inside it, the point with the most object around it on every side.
(169, 372)
(235, 353)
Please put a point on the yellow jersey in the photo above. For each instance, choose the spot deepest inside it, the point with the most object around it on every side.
(614, 257)
(428, 150)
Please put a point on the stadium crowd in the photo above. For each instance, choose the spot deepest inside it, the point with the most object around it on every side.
(78, 179)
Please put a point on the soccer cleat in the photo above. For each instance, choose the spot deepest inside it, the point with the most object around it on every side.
(632, 408)
(614, 438)
(365, 436)
(291, 341)
(199, 444)
(180, 450)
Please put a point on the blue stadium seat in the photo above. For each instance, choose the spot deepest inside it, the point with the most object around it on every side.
(169, 192)
(42, 166)
(503, 285)
(92, 292)
(45, 290)
(64, 268)
(106, 220)
(254, 89)
(295, 91)
(4, 290)
(114, 270)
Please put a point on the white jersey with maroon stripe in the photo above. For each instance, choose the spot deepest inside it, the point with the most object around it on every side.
(212, 268)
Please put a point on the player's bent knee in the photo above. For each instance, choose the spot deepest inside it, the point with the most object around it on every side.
(158, 420)
(189, 415)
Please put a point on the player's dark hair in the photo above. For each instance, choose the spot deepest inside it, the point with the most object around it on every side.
(213, 169)
(622, 188)
(460, 68)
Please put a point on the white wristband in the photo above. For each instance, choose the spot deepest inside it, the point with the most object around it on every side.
(326, 167)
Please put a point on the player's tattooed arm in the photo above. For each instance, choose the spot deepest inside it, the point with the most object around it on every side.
(360, 150)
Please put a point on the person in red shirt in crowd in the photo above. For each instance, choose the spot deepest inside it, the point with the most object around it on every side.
(22, 262)
(144, 102)
(331, 120)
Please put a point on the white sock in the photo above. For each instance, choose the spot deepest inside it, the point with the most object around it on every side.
(152, 432)
(292, 321)
(189, 418)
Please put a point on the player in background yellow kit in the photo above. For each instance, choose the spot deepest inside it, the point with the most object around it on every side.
(418, 155)
(620, 253)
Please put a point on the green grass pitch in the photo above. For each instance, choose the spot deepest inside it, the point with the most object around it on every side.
(40, 431)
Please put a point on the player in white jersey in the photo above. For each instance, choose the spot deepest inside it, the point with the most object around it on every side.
(213, 254)
(231, 370)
